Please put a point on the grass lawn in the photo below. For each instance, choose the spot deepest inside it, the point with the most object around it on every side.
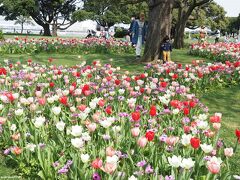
(125, 61)
(227, 102)
(223, 100)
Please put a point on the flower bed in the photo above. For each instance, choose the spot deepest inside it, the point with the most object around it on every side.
(217, 52)
(86, 122)
(60, 45)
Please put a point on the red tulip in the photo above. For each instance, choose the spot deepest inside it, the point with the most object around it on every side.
(185, 111)
(108, 110)
(59, 72)
(163, 84)
(215, 119)
(89, 76)
(237, 132)
(195, 143)
(142, 90)
(85, 89)
(63, 100)
(117, 82)
(175, 76)
(51, 84)
(10, 97)
(142, 76)
(3, 71)
(153, 111)
(150, 135)
(136, 116)
(74, 84)
(192, 104)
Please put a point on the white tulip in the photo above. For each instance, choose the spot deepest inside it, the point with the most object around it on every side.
(31, 147)
(86, 137)
(85, 158)
(132, 178)
(60, 125)
(39, 121)
(13, 127)
(187, 163)
(77, 142)
(175, 161)
(56, 110)
(206, 148)
(186, 139)
(19, 112)
(76, 130)
(112, 159)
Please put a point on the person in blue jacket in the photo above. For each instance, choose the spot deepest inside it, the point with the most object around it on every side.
(130, 30)
(139, 32)
(166, 48)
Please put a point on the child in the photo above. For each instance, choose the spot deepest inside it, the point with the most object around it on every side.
(166, 48)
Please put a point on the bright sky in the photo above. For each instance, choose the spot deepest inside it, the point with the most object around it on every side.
(232, 7)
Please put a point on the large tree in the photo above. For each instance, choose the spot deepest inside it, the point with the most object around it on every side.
(234, 25)
(185, 9)
(43, 12)
(212, 15)
(109, 12)
(23, 20)
(159, 25)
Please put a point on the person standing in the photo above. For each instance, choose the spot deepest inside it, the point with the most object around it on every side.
(139, 34)
(217, 36)
(166, 48)
(130, 30)
(202, 34)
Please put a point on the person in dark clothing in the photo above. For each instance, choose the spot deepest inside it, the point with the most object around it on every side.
(166, 48)
(130, 30)
(89, 34)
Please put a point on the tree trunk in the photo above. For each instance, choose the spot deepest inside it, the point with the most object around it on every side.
(159, 25)
(21, 28)
(46, 29)
(54, 28)
(179, 33)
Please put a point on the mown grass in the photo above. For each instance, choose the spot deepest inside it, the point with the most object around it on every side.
(127, 62)
(227, 102)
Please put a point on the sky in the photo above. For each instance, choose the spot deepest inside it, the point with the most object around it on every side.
(232, 7)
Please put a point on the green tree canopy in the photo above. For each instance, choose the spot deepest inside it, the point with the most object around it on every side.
(43, 12)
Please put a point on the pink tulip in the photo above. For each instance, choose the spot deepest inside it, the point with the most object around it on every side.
(91, 127)
(38, 93)
(109, 168)
(142, 141)
(155, 80)
(110, 151)
(213, 167)
(33, 107)
(41, 101)
(96, 116)
(97, 163)
(217, 126)
(149, 91)
(171, 141)
(135, 131)
(2, 120)
(228, 152)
